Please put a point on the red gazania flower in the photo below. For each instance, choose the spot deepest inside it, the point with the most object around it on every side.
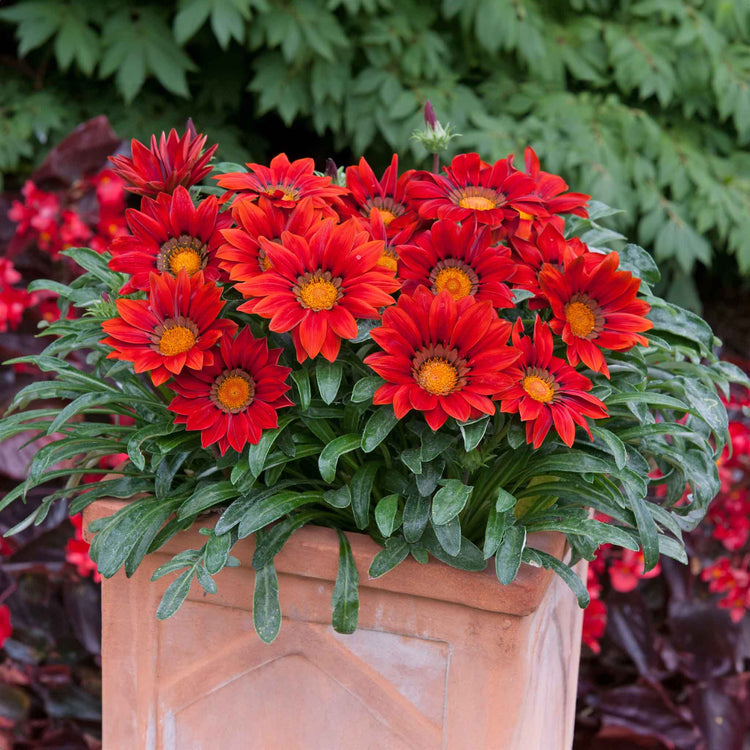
(443, 357)
(387, 195)
(284, 183)
(459, 259)
(548, 247)
(473, 189)
(170, 234)
(546, 390)
(595, 307)
(234, 399)
(175, 327)
(241, 254)
(550, 189)
(171, 162)
(316, 289)
(392, 244)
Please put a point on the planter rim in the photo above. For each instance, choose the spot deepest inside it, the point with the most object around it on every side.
(313, 551)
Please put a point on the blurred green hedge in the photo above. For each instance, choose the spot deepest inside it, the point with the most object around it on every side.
(645, 104)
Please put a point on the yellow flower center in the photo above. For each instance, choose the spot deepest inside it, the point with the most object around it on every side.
(538, 388)
(287, 193)
(387, 216)
(477, 202)
(234, 392)
(187, 258)
(437, 376)
(176, 340)
(182, 252)
(581, 318)
(388, 260)
(317, 291)
(455, 280)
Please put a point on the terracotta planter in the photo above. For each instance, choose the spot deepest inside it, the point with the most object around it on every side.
(441, 658)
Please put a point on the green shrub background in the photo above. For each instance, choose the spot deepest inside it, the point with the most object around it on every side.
(645, 105)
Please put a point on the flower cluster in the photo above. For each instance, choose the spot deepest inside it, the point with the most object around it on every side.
(436, 261)
(54, 221)
(13, 301)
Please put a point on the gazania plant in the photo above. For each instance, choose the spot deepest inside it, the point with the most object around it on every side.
(446, 361)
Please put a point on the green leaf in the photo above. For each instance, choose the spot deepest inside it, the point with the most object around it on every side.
(707, 404)
(508, 557)
(190, 18)
(448, 536)
(473, 432)
(329, 456)
(411, 459)
(345, 599)
(361, 489)
(378, 426)
(365, 388)
(432, 472)
(577, 586)
(270, 509)
(434, 444)
(656, 400)
(302, 381)
(615, 446)
(266, 606)
(206, 495)
(396, 551)
(449, 501)
(175, 594)
(640, 263)
(217, 551)
(647, 531)
(130, 530)
(416, 516)
(469, 556)
(328, 376)
(504, 501)
(497, 523)
(270, 543)
(386, 512)
(140, 436)
(338, 498)
(256, 456)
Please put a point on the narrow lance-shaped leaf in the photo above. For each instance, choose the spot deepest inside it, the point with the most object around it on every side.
(266, 606)
(345, 599)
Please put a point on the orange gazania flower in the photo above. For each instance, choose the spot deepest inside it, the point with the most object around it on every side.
(546, 390)
(595, 307)
(441, 357)
(170, 234)
(284, 183)
(175, 327)
(387, 195)
(171, 162)
(241, 255)
(317, 288)
(459, 259)
(472, 189)
(234, 399)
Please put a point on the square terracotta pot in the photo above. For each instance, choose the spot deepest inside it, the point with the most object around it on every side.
(441, 658)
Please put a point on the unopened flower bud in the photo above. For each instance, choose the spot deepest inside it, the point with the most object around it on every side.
(429, 116)
(434, 136)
